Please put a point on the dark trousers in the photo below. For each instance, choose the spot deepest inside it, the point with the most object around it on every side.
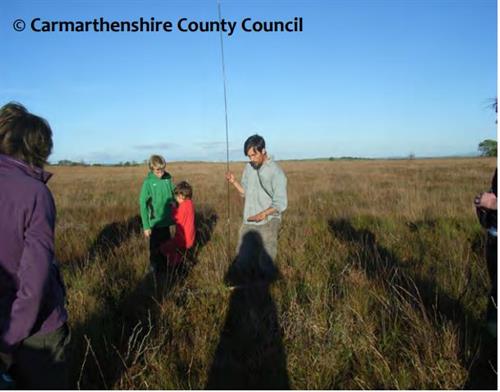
(173, 255)
(491, 260)
(41, 362)
(159, 236)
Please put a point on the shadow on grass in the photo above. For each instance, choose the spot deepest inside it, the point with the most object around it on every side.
(381, 263)
(109, 238)
(114, 340)
(250, 352)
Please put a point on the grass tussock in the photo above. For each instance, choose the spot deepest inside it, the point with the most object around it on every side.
(382, 282)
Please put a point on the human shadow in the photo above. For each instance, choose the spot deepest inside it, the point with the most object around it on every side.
(113, 235)
(381, 263)
(205, 221)
(109, 238)
(114, 341)
(250, 352)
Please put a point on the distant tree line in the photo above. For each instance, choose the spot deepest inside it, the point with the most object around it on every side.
(347, 158)
(68, 162)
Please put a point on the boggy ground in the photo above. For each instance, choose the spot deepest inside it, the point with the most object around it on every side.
(381, 282)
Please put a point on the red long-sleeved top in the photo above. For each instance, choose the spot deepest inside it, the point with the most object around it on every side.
(184, 224)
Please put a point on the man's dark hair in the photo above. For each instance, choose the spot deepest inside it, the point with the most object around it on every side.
(255, 141)
(24, 136)
(183, 188)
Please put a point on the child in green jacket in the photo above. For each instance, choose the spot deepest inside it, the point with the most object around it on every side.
(155, 204)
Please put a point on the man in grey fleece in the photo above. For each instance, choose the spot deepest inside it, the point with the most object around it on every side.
(263, 185)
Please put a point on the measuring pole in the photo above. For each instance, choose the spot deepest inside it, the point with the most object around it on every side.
(227, 133)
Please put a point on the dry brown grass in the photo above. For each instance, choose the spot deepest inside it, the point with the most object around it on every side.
(383, 283)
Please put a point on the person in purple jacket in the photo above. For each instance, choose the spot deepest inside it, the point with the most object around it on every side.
(34, 335)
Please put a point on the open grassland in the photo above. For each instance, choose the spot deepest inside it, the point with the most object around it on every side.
(382, 281)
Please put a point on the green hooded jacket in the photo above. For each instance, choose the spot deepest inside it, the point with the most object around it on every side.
(156, 196)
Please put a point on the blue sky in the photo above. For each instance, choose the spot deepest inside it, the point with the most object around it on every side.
(366, 78)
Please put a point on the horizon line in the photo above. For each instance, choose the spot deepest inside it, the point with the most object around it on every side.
(345, 158)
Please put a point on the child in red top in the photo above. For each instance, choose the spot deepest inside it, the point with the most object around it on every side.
(183, 216)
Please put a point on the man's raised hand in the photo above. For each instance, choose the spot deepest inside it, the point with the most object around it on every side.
(230, 177)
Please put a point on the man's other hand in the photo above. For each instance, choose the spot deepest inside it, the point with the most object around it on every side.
(257, 218)
(486, 200)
